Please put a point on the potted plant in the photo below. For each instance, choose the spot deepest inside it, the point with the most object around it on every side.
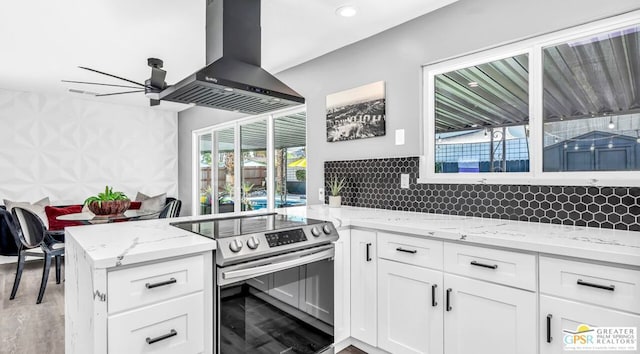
(335, 187)
(108, 202)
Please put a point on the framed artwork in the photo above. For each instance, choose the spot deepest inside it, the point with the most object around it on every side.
(357, 113)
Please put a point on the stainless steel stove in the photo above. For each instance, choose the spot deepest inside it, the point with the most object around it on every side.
(245, 238)
(272, 266)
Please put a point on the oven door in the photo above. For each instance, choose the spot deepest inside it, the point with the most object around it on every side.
(281, 304)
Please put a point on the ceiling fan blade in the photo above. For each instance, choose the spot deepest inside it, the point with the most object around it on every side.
(157, 78)
(114, 76)
(97, 83)
(118, 93)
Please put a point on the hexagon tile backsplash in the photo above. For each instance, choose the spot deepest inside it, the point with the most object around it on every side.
(375, 183)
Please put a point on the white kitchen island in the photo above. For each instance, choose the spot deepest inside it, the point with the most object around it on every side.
(131, 283)
(135, 286)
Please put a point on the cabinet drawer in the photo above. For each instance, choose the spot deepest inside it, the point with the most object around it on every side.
(598, 284)
(147, 284)
(174, 326)
(411, 250)
(502, 267)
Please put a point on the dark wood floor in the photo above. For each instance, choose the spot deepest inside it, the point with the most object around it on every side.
(27, 328)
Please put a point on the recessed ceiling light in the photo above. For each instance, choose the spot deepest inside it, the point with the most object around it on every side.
(346, 11)
(473, 84)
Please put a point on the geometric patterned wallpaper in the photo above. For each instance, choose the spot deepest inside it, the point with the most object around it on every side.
(375, 183)
(68, 149)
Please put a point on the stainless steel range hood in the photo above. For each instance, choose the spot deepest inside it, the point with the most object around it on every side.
(234, 80)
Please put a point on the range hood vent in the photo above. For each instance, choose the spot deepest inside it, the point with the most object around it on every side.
(234, 80)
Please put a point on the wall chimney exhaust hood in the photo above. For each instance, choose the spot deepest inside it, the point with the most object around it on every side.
(233, 80)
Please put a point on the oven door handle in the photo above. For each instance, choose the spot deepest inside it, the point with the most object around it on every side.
(243, 274)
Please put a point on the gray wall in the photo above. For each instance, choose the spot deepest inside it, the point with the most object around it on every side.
(396, 56)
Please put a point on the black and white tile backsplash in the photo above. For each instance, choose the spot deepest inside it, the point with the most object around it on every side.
(375, 183)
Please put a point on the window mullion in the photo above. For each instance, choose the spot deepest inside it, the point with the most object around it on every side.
(270, 164)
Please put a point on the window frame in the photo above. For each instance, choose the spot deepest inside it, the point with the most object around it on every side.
(534, 47)
(236, 124)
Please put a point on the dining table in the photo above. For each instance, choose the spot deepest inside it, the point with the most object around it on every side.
(89, 218)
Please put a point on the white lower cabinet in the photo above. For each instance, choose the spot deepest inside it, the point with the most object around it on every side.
(486, 318)
(364, 287)
(174, 326)
(342, 286)
(557, 315)
(409, 308)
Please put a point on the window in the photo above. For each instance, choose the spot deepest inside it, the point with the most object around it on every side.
(253, 163)
(592, 103)
(566, 102)
(482, 116)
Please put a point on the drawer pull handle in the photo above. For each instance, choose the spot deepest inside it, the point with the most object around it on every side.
(162, 283)
(434, 303)
(491, 266)
(592, 285)
(162, 337)
(400, 249)
(449, 308)
(549, 328)
(368, 252)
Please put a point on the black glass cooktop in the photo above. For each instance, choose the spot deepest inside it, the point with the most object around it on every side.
(236, 226)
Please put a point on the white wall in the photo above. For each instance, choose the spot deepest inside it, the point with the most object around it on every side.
(396, 56)
(68, 149)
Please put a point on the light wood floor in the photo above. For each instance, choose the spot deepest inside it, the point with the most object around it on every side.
(27, 328)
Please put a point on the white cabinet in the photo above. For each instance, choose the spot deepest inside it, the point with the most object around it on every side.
(557, 315)
(486, 318)
(161, 306)
(318, 295)
(364, 301)
(286, 286)
(342, 287)
(575, 293)
(409, 308)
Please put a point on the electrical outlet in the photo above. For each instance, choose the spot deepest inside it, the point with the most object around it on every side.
(321, 194)
(404, 180)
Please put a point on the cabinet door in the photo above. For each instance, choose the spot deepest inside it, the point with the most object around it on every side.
(409, 308)
(285, 286)
(485, 318)
(363, 286)
(318, 294)
(568, 315)
(342, 285)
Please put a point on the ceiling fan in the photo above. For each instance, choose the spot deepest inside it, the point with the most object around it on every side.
(151, 87)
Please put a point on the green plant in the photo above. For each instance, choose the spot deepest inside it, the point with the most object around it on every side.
(246, 189)
(301, 175)
(107, 195)
(335, 186)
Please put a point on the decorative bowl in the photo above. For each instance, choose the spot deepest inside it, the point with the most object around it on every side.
(109, 207)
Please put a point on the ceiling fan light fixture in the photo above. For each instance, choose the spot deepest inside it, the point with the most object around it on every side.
(346, 11)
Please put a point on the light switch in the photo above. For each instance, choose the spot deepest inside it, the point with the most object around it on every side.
(404, 180)
(321, 194)
(399, 136)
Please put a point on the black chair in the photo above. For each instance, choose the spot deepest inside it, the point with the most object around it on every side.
(171, 209)
(31, 234)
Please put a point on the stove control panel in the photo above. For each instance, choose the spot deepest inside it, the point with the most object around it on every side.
(287, 237)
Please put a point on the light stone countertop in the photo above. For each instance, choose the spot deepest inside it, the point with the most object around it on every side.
(605, 245)
(116, 244)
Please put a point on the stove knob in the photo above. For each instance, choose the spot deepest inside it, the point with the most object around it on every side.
(253, 242)
(326, 229)
(315, 231)
(235, 245)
